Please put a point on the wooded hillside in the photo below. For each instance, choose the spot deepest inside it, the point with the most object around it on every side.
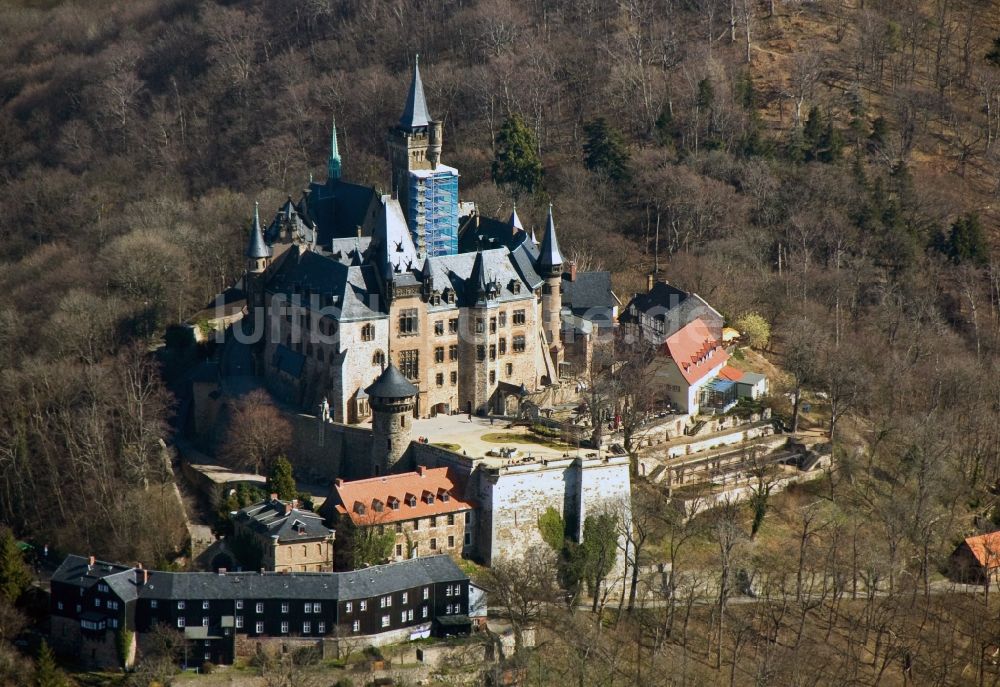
(829, 165)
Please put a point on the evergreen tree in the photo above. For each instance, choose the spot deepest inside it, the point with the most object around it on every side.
(47, 672)
(552, 529)
(605, 151)
(831, 144)
(598, 550)
(516, 163)
(993, 56)
(14, 574)
(281, 481)
(812, 134)
(965, 242)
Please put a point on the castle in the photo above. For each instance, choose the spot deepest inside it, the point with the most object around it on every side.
(347, 280)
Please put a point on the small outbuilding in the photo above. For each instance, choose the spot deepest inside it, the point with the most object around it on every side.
(976, 559)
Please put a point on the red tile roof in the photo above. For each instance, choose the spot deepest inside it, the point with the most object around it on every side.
(986, 549)
(695, 351)
(405, 496)
(731, 373)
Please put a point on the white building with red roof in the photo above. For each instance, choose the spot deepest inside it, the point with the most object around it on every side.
(694, 359)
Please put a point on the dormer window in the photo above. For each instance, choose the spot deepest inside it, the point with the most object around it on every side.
(443, 495)
(428, 497)
(359, 508)
(393, 503)
(378, 506)
(411, 500)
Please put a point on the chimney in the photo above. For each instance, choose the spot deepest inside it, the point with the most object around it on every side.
(274, 497)
(421, 470)
(222, 571)
(338, 483)
(649, 282)
(91, 562)
(295, 503)
(288, 509)
(145, 577)
(572, 270)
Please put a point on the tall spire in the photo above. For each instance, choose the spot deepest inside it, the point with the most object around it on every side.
(477, 286)
(333, 164)
(515, 221)
(257, 249)
(415, 113)
(549, 254)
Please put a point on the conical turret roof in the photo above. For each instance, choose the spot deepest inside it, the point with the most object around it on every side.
(392, 384)
(415, 113)
(256, 248)
(515, 221)
(549, 254)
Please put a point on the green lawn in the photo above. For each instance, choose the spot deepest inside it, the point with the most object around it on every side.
(503, 439)
(445, 445)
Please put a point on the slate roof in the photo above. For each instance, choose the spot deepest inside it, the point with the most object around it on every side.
(589, 296)
(341, 586)
(75, 570)
(477, 232)
(549, 254)
(350, 287)
(392, 384)
(256, 248)
(288, 361)
(338, 208)
(671, 306)
(275, 518)
(402, 488)
(415, 112)
(499, 265)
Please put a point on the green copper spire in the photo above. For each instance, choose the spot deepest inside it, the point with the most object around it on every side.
(333, 164)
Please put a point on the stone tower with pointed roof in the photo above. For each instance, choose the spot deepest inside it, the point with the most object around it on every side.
(550, 264)
(258, 255)
(477, 345)
(392, 398)
(427, 190)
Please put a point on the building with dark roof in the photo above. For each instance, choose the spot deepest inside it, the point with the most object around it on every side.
(93, 603)
(665, 309)
(286, 537)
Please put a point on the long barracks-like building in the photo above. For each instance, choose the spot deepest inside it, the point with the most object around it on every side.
(95, 605)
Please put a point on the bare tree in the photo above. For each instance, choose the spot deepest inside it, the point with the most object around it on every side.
(258, 433)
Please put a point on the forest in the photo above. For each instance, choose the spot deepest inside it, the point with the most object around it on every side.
(830, 165)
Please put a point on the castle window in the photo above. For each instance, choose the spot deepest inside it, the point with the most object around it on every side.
(453, 352)
(546, 289)
(409, 363)
(439, 328)
(368, 332)
(503, 345)
(453, 325)
(378, 360)
(518, 317)
(503, 319)
(439, 379)
(377, 506)
(439, 354)
(436, 298)
(480, 325)
(434, 544)
(402, 421)
(493, 352)
(451, 541)
(480, 353)
(411, 501)
(454, 378)
(493, 377)
(519, 344)
(394, 504)
(408, 321)
(493, 325)
(451, 516)
(510, 369)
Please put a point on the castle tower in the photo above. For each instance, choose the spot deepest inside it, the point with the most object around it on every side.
(333, 163)
(427, 190)
(258, 255)
(392, 398)
(550, 262)
(474, 360)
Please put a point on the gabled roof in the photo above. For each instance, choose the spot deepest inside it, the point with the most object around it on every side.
(549, 254)
(256, 248)
(589, 295)
(415, 112)
(731, 374)
(335, 586)
(76, 570)
(695, 352)
(391, 247)
(986, 549)
(392, 384)
(423, 488)
(284, 520)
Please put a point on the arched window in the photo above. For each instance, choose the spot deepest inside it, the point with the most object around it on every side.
(378, 359)
(368, 332)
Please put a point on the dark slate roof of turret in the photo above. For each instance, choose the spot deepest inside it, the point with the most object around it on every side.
(548, 254)
(415, 113)
(478, 288)
(392, 384)
(257, 248)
